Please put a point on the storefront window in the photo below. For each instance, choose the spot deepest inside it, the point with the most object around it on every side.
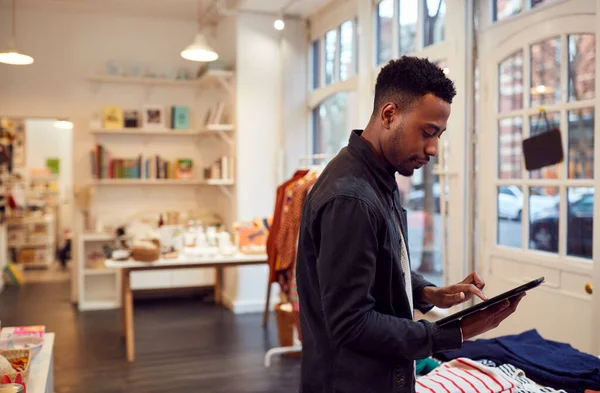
(545, 72)
(510, 83)
(407, 19)
(347, 58)
(510, 131)
(582, 67)
(333, 122)
(506, 8)
(434, 21)
(316, 64)
(330, 49)
(385, 14)
(581, 143)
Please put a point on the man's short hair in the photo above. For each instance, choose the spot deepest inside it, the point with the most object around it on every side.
(406, 80)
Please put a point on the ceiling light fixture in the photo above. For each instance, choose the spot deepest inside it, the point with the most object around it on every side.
(199, 50)
(12, 55)
(279, 24)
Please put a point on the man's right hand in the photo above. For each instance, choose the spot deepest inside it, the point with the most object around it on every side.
(488, 319)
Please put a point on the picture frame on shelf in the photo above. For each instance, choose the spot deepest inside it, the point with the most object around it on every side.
(153, 117)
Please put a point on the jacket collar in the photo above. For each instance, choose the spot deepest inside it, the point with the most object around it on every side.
(384, 176)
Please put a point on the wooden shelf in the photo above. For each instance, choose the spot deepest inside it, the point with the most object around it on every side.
(162, 182)
(212, 128)
(210, 76)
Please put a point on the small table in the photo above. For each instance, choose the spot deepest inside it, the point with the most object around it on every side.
(41, 371)
(218, 262)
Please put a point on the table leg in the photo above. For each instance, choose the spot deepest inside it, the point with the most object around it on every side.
(218, 285)
(129, 329)
(123, 314)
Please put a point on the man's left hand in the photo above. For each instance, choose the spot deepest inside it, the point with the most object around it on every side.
(447, 297)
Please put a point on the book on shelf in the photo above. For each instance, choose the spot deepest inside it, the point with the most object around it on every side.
(221, 169)
(105, 166)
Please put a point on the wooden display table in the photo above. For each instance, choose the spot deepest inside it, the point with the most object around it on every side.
(127, 267)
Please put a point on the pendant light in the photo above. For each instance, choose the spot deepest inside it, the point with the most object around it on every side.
(199, 50)
(12, 55)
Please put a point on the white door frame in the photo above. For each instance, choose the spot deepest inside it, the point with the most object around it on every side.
(505, 37)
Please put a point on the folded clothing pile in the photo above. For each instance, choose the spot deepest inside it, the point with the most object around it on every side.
(464, 375)
(548, 363)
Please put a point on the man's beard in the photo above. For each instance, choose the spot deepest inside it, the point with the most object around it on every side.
(405, 171)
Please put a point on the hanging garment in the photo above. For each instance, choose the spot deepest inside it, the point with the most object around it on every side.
(463, 375)
(275, 225)
(549, 363)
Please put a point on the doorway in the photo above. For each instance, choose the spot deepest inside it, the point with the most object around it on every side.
(38, 185)
(539, 58)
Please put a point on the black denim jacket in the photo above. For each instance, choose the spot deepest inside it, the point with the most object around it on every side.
(358, 334)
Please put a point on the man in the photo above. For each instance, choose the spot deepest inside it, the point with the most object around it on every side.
(356, 290)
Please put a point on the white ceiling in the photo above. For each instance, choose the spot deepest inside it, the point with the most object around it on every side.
(298, 7)
(172, 9)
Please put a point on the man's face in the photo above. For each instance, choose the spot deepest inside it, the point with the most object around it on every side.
(411, 137)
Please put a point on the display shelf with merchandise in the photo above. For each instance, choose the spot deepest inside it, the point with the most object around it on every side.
(163, 146)
(209, 129)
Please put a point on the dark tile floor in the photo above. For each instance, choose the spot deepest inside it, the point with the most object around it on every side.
(182, 345)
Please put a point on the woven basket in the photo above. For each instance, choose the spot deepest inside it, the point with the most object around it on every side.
(12, 354)
(287, 321)
(285, 324)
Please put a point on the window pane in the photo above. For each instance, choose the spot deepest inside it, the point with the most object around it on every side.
(580, 224)
(582, 66)
(420, 194)
(543, 218)
(346, 50)
(385, 14)
(506, 8)
(537, 125)
(510, 207)
(535, 3)
(509, 145)
(316, 64)
(407, 20)
(545, 72)
(435, 15)
(330, 47)
(511, 83)
(581, 143)
(333, 123)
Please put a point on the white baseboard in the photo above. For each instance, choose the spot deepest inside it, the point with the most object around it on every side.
(246, 306)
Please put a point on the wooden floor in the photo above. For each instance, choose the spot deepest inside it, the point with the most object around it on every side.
(182, 345)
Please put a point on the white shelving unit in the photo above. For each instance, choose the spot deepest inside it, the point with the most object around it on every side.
(20, 237)
(101, 288)
(211, 76)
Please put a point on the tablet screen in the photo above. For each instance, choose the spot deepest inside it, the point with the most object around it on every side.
(496, 299)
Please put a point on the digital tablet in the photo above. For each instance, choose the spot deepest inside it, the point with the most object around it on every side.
(496, 299)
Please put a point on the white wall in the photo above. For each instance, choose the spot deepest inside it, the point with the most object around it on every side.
(261, 98)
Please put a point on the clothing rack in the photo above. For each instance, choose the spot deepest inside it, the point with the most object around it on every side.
(306, 162)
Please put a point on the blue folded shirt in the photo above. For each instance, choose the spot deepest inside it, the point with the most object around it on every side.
(549, 363)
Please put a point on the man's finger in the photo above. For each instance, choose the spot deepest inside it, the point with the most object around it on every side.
(468, 288)
(479, 283)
